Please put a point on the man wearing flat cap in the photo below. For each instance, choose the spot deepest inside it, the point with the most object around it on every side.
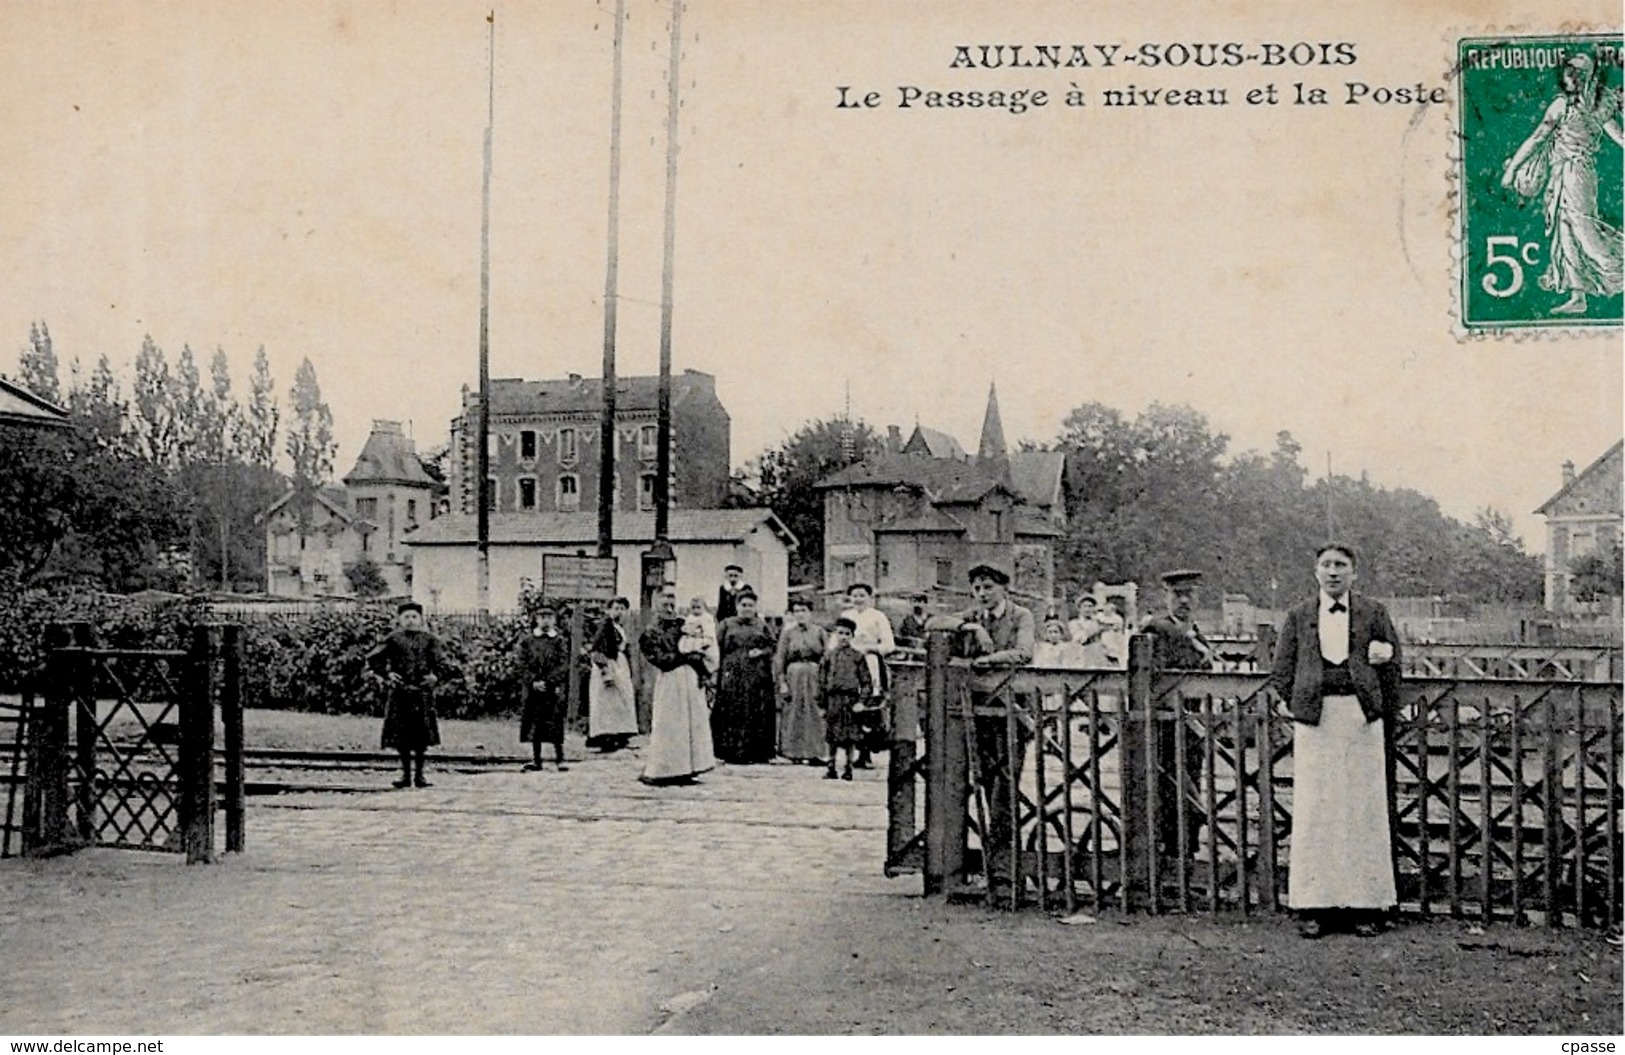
(1178, 644)
(1003, 633)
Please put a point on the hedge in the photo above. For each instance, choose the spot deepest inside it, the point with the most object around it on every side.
(306, 662)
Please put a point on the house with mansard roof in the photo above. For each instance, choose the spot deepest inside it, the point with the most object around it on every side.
(314, 535)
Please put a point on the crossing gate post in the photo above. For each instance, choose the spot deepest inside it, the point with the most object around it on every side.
(197, 745)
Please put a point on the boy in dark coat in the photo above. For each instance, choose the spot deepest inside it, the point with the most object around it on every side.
(544, 670)
(411, 661)
(843, 685)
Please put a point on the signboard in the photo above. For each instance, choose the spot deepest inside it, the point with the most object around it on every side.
(578, 578)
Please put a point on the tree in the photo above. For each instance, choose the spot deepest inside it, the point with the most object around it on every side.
(37, 365)
(1597, 574)
(785, 476)
(310, 440)
(255, 429)
(154, 413)
(366, 578)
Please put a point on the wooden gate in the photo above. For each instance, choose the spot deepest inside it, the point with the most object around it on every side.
(121, 751)
(1173, 791)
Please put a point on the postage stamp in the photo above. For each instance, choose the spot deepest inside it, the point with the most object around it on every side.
(1540, 181)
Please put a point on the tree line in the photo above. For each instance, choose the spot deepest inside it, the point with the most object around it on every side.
(1163, 490)
(158, 486)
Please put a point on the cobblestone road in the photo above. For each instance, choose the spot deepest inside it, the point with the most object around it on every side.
(500, 902)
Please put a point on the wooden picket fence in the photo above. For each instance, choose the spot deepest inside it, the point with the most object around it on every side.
(1150, 791)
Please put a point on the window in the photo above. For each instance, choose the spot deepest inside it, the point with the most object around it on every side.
(850, 574)
(568, 452)
(491, 493)
(569, 493)
(527, 493)
(646, 491)
(411, 510)
(885, 569)
(366, 542)
(648, 441)
(366, 508)
(527, 444)
(945, 572)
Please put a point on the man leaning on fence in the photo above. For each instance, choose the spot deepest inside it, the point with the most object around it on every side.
(1000, 636)
(1337, 664)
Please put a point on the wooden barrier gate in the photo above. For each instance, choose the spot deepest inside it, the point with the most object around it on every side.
(121, 751)
(1140, 790)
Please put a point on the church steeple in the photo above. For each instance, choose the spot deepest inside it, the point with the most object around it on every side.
(991, 454)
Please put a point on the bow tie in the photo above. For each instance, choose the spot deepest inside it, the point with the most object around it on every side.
(1338, 606)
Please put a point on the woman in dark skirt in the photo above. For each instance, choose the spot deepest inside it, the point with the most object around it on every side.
(411, 661)
(744, 724)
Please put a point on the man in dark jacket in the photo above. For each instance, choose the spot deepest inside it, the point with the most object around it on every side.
(1003, 634)
(1337, 664)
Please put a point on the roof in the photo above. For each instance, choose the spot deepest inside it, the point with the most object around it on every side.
(1030, 523)
(388, 457)
(944, 480)
(934, 443)
(585, 395)
(336, 499)
(1580, 476)
(1036, 476)
(19, 406)
(581, 529)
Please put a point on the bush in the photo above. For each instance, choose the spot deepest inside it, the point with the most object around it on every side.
(306, 662)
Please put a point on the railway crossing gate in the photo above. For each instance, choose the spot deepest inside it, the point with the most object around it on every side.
(120, 747)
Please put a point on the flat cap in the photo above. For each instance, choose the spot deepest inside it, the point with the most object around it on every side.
(1181, 577)
(986, 570)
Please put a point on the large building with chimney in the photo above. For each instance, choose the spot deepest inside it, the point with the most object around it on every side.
(921, 514)
(544, 445)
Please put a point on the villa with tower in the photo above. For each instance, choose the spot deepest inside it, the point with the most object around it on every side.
(920, 514)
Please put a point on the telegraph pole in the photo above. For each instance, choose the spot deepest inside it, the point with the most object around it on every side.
(663, 406)
(482, 458)
(606, 432)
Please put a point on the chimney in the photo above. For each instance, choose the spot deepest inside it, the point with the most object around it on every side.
(894, 439)
(1568, 473)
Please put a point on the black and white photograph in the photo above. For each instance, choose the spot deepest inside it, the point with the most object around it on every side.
(809, 518)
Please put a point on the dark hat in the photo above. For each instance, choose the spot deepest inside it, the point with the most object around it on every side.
(988, 571)
(745, 594)
(799, 601)
(549, 607)
(919, 598)
(408, 606)
(1183, 577)
(733, 567)
(844, 623)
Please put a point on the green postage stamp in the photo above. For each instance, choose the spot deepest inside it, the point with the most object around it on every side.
(1541, 145)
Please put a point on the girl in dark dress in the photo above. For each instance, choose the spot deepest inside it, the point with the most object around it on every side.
(843, 684)
(411, 661)
(744, 724)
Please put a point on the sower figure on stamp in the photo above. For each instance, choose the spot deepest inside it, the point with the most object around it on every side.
(411, 661)
(1337, 664)
(1004, 634)
(1178, 645)
(545, 667)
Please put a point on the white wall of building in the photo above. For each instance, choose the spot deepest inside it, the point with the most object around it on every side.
(444, 577)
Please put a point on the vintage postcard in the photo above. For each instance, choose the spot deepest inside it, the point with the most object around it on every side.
(1366, 252)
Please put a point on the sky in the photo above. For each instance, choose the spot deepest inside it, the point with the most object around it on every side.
(306, 176)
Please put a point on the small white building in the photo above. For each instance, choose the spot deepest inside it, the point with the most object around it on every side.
(445, 558)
